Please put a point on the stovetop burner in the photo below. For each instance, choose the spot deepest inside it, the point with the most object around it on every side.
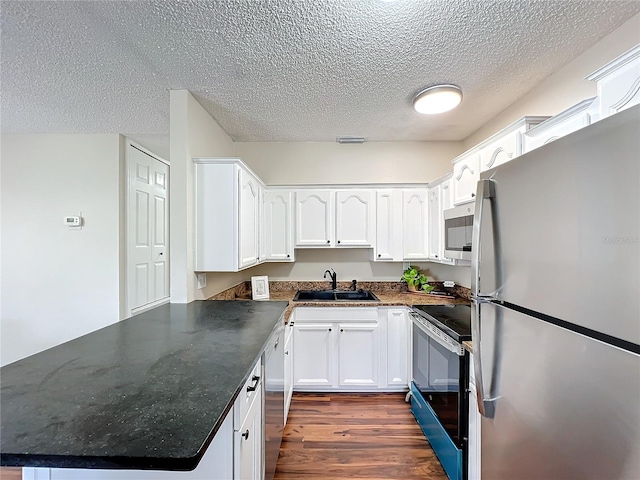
(455, 320)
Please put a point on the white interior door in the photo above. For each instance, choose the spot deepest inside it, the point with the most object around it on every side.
(147, 229)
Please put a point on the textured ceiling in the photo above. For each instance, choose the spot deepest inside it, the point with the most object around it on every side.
(284, 70)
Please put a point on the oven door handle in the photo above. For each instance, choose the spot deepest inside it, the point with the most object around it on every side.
(457, 348)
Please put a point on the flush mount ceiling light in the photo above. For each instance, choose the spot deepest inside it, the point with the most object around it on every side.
(437, 99)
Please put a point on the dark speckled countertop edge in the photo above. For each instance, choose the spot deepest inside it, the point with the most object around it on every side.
(123, 462)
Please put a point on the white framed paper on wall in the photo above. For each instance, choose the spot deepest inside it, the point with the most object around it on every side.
(260, 288)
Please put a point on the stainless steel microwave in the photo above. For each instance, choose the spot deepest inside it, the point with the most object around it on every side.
(458, 231)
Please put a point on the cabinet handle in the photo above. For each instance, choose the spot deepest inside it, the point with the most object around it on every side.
(245, 435)
(473, 194)
(379, 255)
(338, 241)
(276, 345)
(341, 330)
(286, 352)
(288, 256)
(329, 329)
(328, 241)
(255, 380)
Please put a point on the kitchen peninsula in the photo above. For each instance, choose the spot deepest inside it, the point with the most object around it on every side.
(149, 392)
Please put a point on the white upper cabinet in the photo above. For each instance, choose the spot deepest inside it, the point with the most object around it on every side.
(330, 218)
(435, 227)
(415, 207)
(249, 211)
(227, 215)
(278, 225)
(572, 119)
(314, 218)
(388, 244)
(355, 218)
(466, 173)
(618, 83)
(439, 200)
(506, 144)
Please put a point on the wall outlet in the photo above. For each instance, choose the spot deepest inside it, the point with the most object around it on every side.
(449, 283)
(202, 280)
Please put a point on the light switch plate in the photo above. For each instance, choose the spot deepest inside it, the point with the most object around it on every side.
(202, 280)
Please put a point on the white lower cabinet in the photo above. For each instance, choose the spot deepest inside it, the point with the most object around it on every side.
(216, 464)
(398, 347)
(248, 442)
(350, 349)
(313, 346)
(358, 349)
(474, 427)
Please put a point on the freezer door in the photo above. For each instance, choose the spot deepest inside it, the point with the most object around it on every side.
(564, 405)
(561, 234)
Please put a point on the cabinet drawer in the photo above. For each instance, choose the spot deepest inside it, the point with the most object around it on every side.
(250, 390)
(336, 314)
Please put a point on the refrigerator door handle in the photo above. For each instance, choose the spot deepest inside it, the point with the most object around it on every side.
(485, 191)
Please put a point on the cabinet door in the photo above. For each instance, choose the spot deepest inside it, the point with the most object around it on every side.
(397, 347)
(314, 218)
(354, 218)
(358, 349)
(466, 173)
(446, 202)
(414, 219)
(262, 232)
(435, 223)
(249, 444)
(248, 224)
(313, 349)
(288, 370)
(388, 245)
(278, 225)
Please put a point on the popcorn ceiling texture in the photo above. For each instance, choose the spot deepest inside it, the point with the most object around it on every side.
(284, 70)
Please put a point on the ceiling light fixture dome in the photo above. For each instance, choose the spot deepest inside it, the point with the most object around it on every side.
(437, 99)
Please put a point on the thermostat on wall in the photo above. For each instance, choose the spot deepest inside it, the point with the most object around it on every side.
(73, 221)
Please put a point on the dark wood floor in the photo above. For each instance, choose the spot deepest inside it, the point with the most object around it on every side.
(341, 436)
(10, 473)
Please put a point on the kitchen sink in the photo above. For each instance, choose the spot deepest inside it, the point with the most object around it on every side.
(335, 296)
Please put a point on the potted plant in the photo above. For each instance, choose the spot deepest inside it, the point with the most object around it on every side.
(416, 280)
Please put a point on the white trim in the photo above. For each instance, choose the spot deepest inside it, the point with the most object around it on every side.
(149, 306)
(530, 122)
(560, 117)
(628, 56)
(32, 473)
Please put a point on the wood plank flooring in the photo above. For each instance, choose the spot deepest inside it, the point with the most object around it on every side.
(341, 436)
(10, 473)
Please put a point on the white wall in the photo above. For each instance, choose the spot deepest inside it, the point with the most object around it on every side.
(333, 163)
(59, 283)
(193, 133)
(353, 263)
(568, 85)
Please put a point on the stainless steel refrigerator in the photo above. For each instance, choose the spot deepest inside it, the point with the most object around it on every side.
(556, 309)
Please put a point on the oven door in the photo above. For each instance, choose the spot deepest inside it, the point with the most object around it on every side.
(439, 375)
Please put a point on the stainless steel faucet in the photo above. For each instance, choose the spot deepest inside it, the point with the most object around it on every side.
(334, 278)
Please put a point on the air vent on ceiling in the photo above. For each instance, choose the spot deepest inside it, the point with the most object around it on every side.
(350, 139)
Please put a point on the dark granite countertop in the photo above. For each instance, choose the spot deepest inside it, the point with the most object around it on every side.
(149, 392)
